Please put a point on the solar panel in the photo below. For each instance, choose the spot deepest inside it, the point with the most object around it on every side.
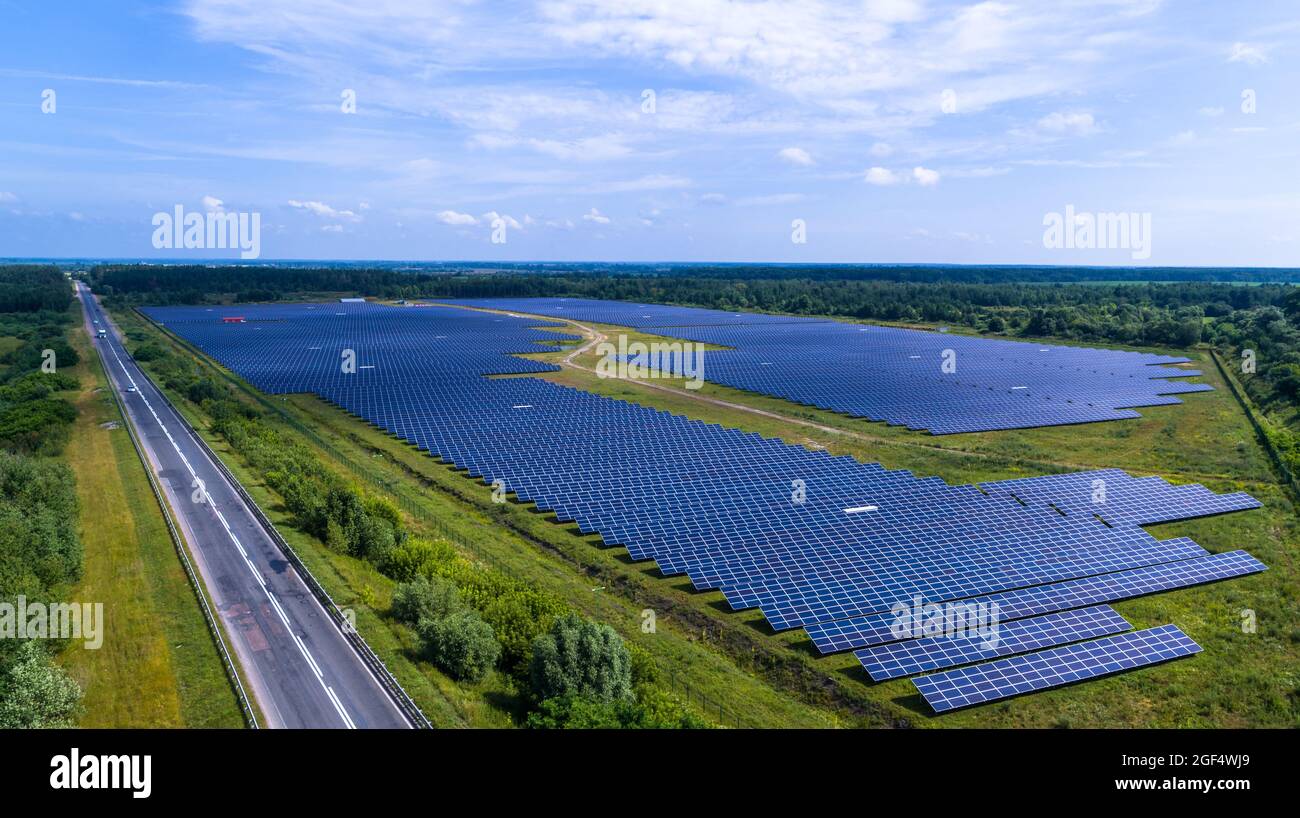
(988, 641)
(1015, 675)
(716, 504)
(896, 375)
(846, 634)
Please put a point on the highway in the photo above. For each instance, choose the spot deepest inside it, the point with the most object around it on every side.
(297, 665)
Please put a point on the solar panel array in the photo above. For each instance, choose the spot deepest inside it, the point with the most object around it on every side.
(814, 540)
(987, 641)
(1052, 668)
(857, 632)
(897, 375)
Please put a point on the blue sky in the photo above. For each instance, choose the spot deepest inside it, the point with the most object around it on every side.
(535, 115)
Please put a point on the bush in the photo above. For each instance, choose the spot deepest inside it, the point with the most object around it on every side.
(414, 557)
(462, 644)
(422, 598)
(579, 658)
(576, 713)
(37, 693)
(518, 616)
(149, 351)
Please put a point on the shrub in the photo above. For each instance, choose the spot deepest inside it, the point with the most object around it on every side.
(422, 598)
(657, 711)
(462, 644)
(37, 693)
(579, 658)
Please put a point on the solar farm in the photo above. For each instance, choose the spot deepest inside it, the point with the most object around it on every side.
(895, 375)
(844, 550)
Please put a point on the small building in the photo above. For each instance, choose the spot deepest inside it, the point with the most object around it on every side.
(233, 319)
(352, 301)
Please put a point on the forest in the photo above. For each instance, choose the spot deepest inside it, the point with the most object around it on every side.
(40, 549)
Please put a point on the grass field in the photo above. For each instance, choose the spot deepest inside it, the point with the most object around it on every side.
(158, 666)
(1242, 679)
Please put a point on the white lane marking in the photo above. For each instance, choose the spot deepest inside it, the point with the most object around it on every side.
(339, 704)
(334, 699)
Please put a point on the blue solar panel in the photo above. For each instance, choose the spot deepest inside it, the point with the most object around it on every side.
(1052, 668)
(712, 503)
(847, 634)
(897, 375)
(987, 641)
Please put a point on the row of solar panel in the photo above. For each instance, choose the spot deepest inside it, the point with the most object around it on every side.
(714, 503)
(926, 381)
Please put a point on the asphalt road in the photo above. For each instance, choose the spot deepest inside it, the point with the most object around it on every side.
(296, 663)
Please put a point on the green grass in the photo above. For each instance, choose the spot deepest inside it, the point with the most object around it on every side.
(158, 665)
(1242, 679)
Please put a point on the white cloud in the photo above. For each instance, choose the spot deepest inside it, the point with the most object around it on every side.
(213, 205)
(586, 149)
(850, 65)
(595, 216)
(1208, 111)
(323, 210)
(881, 176)
(796, 156)
(510, 221)
(6, 196)
(1183, 138)
(979, 173)
(1247, 53)
(925, 176)
(456, 219)
(332, 228)
(770, 199)
(652, 181)
(882, 149)
(1070, 122)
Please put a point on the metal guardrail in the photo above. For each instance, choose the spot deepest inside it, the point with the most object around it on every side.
(245, 703)
(363, 650)
(376, 665)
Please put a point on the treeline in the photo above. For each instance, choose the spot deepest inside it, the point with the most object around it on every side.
(469, 620)
(40, 550)
(1263, 347)
(197, 284)
(372, 277)
(29, 288)
(914, 273)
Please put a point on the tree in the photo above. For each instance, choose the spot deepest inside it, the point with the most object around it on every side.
(581, 658)
(422, 598)
(462, 644)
